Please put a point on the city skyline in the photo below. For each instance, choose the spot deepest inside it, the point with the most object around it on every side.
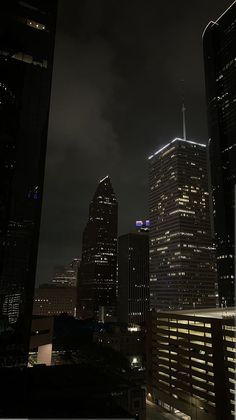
(121, 77)
(126, 136)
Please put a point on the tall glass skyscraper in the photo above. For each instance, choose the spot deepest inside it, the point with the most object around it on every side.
(182, 272)
(219, 41)
(27, 31)
(97, 271)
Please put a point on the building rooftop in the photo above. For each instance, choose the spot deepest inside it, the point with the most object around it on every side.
(173, 141)
(215, 313)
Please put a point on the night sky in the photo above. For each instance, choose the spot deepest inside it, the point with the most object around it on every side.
(116, 98)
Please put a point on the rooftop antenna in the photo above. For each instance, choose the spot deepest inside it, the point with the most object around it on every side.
(183, 111)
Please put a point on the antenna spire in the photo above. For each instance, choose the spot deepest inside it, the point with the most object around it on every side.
(183, 112)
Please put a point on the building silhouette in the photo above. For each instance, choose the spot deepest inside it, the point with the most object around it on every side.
(97, 271)
(219, 41)
(182, 272)
(27, 33)
(133, 277)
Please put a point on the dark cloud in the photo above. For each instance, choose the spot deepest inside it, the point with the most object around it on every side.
(116, 97)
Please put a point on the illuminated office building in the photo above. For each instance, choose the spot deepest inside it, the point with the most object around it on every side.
(133, 277)
(219, 41)
(97, 272)
(27, 33)
(192, 364)
(182, 272)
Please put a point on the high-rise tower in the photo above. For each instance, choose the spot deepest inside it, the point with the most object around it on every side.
(219, 41)
(27, 32)
(182, 273)
(133, 277)
(97, 271)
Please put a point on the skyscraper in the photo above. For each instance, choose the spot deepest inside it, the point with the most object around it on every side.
(219, 41)
(97, 272)
(182, 273)
(133, 277)
(27, 34)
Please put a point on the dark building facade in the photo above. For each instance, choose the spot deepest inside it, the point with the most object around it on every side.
(219, 41)
(27, 32)
(182, 269)
(97, 272)
(133, 277)
(53, 300)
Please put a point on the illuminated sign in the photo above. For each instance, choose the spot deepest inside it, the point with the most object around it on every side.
(141, 224)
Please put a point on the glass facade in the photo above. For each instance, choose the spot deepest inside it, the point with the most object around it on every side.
(27, 32)
(97, 271)
(219, 41)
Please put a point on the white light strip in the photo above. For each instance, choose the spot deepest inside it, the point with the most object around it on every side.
(182, 211)
(103, 179)
(163, 148)
(176, 139)
(216, 22)
(209, 24)
(225, 11)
